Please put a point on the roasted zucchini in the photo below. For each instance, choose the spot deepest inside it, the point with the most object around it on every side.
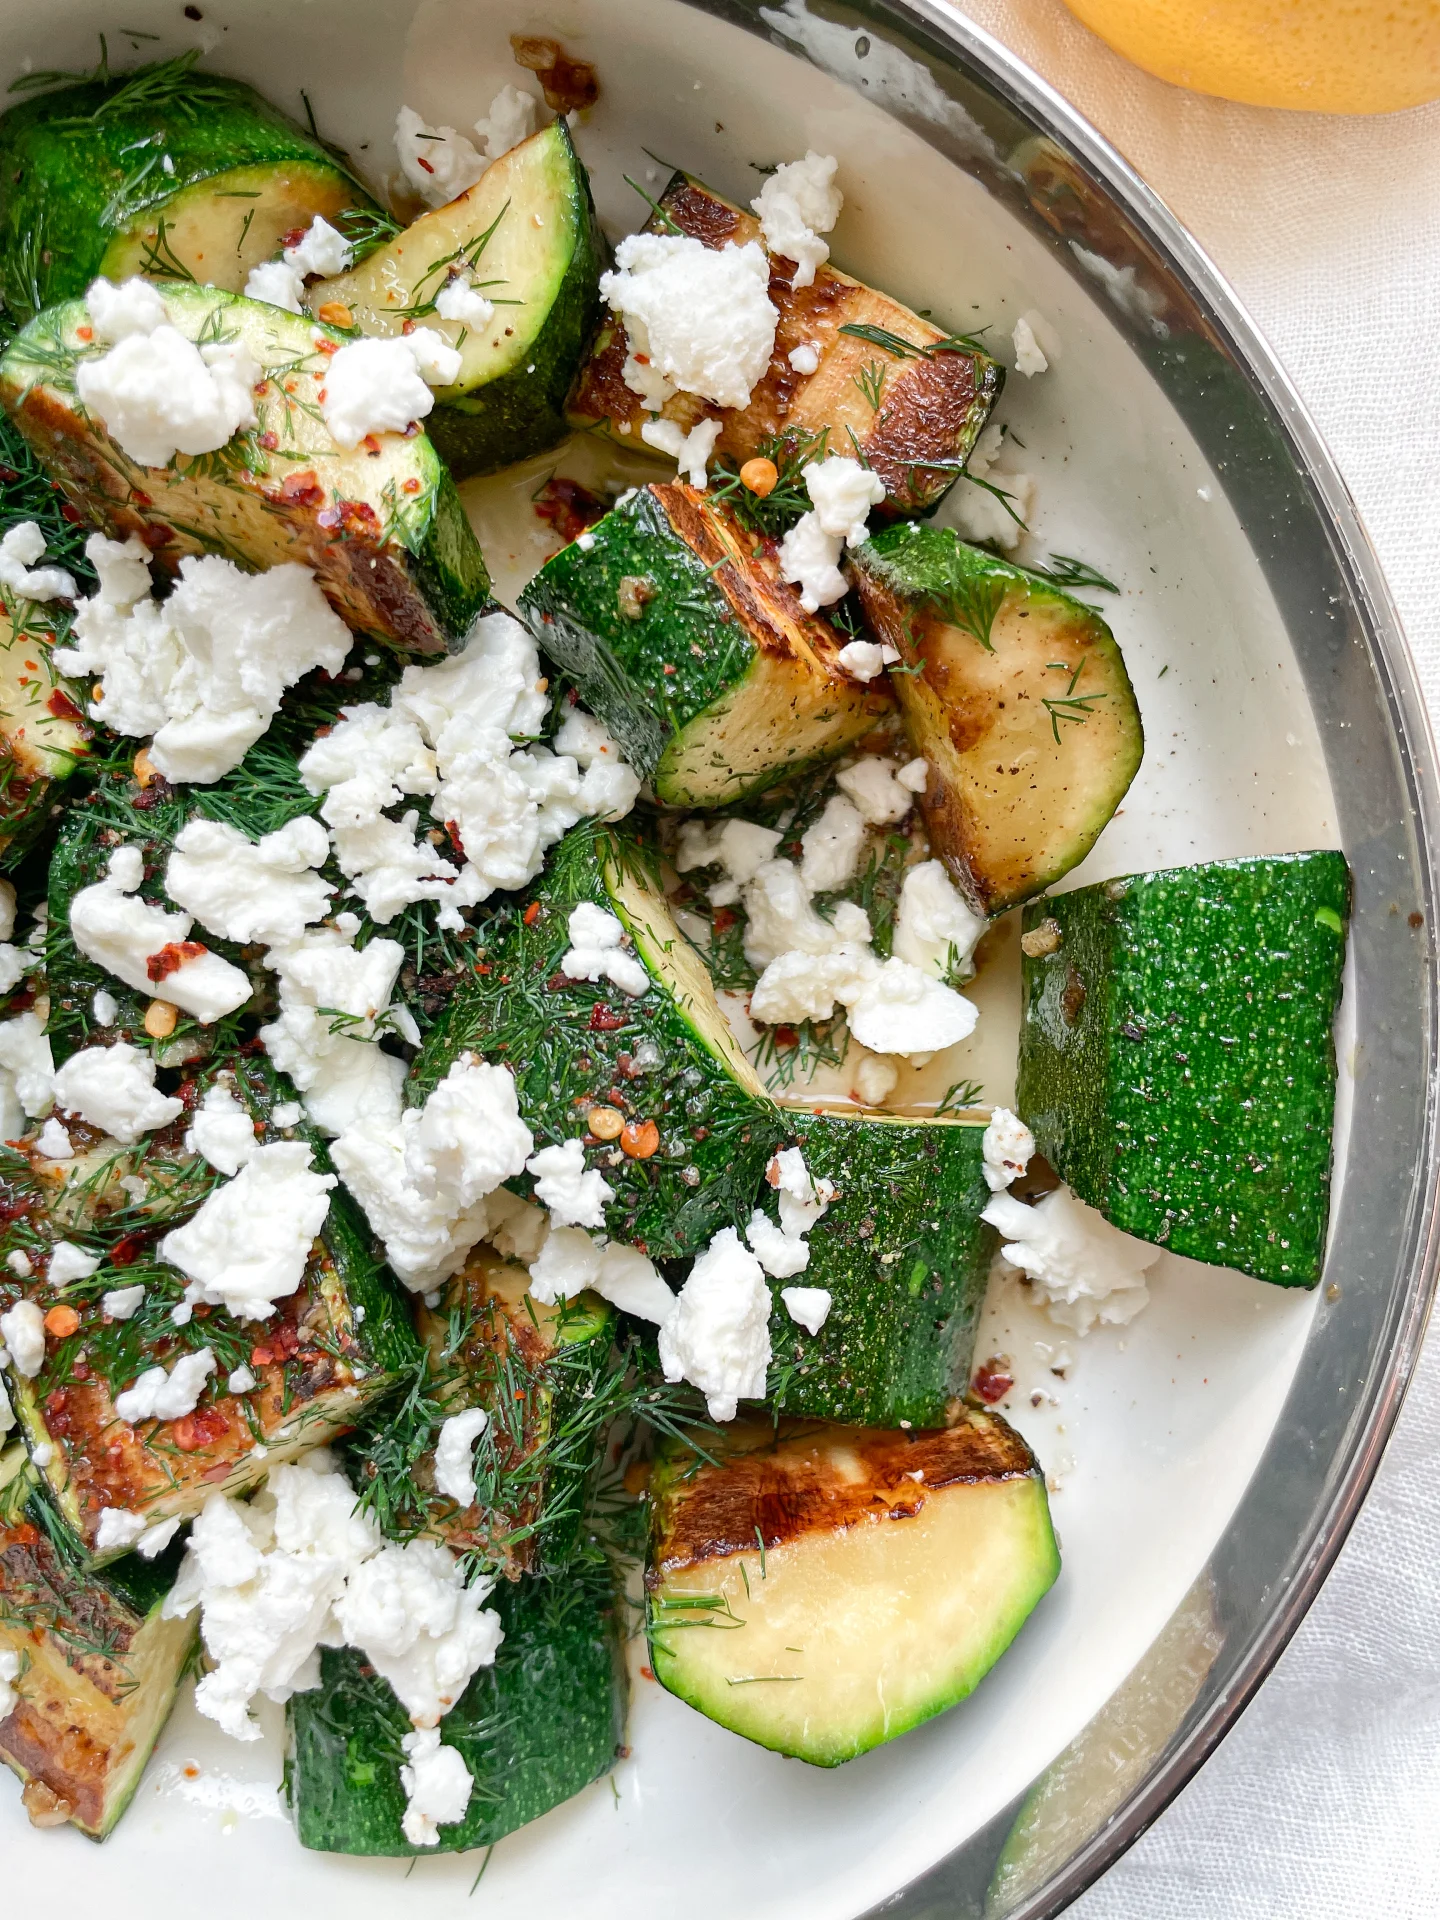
(675, 626)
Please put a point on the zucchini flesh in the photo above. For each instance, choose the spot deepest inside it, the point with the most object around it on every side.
(858, 1582)
(328, 1350)
(677, 630)
(163, 172)
(534, 1729)
(384, 533)
(1177, 1058)
(666, 1060)
(1019, 700)
(528, 234)
(905, 1257)
(931, 406)
(99, 1666)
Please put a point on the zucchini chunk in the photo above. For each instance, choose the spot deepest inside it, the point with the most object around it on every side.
(164, 172)
(909, 408)
(328, 1350)
(533, 1730)
(384, 532)
(679, 633)
(1019, 700)
(905, 1257)
(695, 1130)
(537, 1371)
(1177, 1056)
(527, 236)
(99, 1667)
(865, 1580)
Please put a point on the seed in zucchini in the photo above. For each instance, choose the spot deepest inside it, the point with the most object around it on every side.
(1017, 696)
(1177, 1058)
(697, 1128)
(905, 1256)
(533, 1729)
(857, 1582)
(911, 410)
(528, 240)
(675, 626)
(164, 172)
(99, 1667)
(327, 1351)
(383, 530)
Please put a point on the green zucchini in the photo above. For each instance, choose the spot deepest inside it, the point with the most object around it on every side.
(161, 171)
(99, 1666)
(383, 531)
(528, 235)
(328, 1350)
(1018, 698)
(905, 1257)
(675, 626)
(698, 1129)
(885, 387)
(1177, 1058)
(533, 1730)
(859, 1582)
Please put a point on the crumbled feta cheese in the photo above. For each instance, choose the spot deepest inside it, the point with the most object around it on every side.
(118, 1530)
(7, 1421)
(246, 890)
(54, 1142)
(808, 1307)
(19, 1262)
(204, 669)
(805, 358)
(1083, 1268)
(455, 1455)
(122, 1303)
(288, 1114)
(374, 386)
(797, 203)
(332, 994)
(27, 1060)
(249, 1243)
(779, 1253)
(781, 920)
(423, 1180)
(20, 548)
(320, 250)
(575, 1197)
(158, 1395)
(410, 1613)
(13, 966)
(438, 163)
(872, 784)
(158, 394)
(242, 1380)
(9, 1673)
(436, 361)
(864, 659)
(278, 284)
(221, 1131)
(875, 1078)
(596, 951)
(739, 847)
(459, 300)
(23, 1331)
(830, 846)
(437, 1784)
(104, 1008)
(69, 1262)
(803, 1199)
(124, 934)
(1006, 1149)
(697, 319)
(799, 986)
(842, 493)
(7, 908)
(513, 117)
(516, 1228)
(902, 1010)
(1029, 356)
(915, 774)
(113, 1088)
(570, 1261)
(935, 929)
(153, 1542)
(718, 1335)
(977, 514)
(810, 558)
(134, 306)
(691, 451)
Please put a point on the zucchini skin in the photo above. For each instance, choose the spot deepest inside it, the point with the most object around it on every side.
(82, 167)
(1177, 1056)
(573, 1044)
(905, 1256)
(534, 1729)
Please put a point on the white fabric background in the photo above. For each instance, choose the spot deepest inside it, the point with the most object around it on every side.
(1324, 1802)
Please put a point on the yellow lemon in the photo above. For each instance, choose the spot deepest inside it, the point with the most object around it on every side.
(1330, 56)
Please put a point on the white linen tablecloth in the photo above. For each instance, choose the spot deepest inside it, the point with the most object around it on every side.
(1323, 1802)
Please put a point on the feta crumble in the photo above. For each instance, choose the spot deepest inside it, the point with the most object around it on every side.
(28, 1064)
(902, 1010)
(105, 1008)
(1082, 1268)
(380, 386)
(117, 1530)
(23, 1331)
(158, 1395)
(277, 284)
(570, 1261)
(248, 1244)
(935, 929)
(596, 951)
(575, 1197)
(718, 1335)
(691, 451)
(21, 579)
(113, 1088)
(54, 1142)
(805, 359)
(437, 1786)
(332, 997)
(830, 846)
(455, 1455)
(976, 512)
(408, 1610)
(124, 934)
(9, 1674)
(514, 115)
(783, 1251)
(875, 1079)
(69, 1262)
(122, 1303)
(204, 669)
(460, 300)
(1006, 1149)
(438, 163)
(321, 250)
(875, 786)
(697, 319)
(842, 493)
(221, 1131)
(797, 203)
(131, 306)
(808, 1307)
(247, 890)
(1029, 355)
(864, 660)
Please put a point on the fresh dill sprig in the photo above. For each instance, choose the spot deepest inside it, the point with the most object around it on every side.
(1070, 705)
(788, 499)
(902, 349)
(1066, 571)
(870, 382)
(956, 1099)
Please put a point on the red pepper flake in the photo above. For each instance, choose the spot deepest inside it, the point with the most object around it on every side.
(531, 913)
(482, 966)
(126, 1252)
(84, 333)
(269, 441)
(261, 1357)
(62, 706)
(171, 958)
(321, 395)
(667, 668)
(994, 1380)
(293, 236)
(422, 161)
(786, 1037)
(454, 832)
(72, 514)
(568, 507)
(301, 489)
(725, 918)
(327, 346)
(141, 499)
(605, 1019)
(371, 446)
(412, 485)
